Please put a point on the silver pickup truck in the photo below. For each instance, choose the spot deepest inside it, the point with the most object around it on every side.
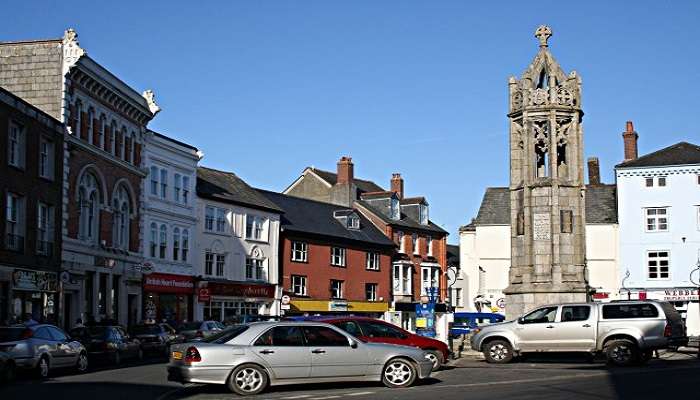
(627, 332)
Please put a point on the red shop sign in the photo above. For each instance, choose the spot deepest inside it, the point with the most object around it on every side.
(166, 283)
(241, 290)
(203, 295)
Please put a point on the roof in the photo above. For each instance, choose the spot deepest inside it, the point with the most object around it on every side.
(228, 188)
(318, 218)
(160, 135)
(404, 222)
(601, 206)
(362, 185)
(682, 153)
(413, 200)
(452, 254)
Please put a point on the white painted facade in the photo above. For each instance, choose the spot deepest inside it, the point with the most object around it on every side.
(675, 242)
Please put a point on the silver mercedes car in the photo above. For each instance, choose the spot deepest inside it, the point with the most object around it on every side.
(249, 358)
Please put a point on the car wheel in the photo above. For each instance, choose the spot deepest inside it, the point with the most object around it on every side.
(117, 358)
(621, 352)
(247, 379)
(42, 368)
(82, 364)
(435, 357)
(399, 373)
(498, 352)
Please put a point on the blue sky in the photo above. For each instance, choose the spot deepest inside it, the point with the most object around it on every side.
(266, 88)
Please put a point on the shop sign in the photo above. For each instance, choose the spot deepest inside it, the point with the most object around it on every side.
(338, 305)
(681, 295)
(165, 283)
(23, 279)
(286, 307)
(425, 319)
(241, 290)
(203, 295)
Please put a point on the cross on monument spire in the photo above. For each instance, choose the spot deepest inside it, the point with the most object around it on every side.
(543, 33)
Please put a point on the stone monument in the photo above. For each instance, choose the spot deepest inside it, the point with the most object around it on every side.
(546, 185)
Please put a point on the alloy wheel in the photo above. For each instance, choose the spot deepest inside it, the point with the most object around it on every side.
(398, 373)
(498, 352)
(621, 353)
(433, 359)
(43, 367)
(248, 379)
(82, 362)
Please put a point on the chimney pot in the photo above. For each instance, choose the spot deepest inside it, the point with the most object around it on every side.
(629, 139)
(397, 184)
(593, 171)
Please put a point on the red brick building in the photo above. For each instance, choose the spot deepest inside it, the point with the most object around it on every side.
(333, 260)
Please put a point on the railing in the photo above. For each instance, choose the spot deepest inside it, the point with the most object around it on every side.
(14, 242)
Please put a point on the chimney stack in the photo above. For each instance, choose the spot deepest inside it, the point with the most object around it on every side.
(629, 137)
(397, 184)
(345, 170)
(593, 171)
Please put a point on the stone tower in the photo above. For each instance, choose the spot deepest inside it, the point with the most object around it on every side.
(546, 185)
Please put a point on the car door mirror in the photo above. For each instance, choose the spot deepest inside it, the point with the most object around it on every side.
(521, 320)
(353, 344)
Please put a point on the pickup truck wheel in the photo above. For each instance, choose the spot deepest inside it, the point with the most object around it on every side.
(621, 352)
(498, 352)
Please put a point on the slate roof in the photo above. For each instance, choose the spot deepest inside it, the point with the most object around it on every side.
(682, 153)
(453, 254)
(601, 206)
(362, 185)
(317, 218)
(404, 222)
(226, 187)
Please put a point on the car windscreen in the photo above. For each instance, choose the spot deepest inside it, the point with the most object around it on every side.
(11, 334)
(145, 330)
(189, 326)
(226, 335)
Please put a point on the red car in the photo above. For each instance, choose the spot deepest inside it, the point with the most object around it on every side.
(374, 330)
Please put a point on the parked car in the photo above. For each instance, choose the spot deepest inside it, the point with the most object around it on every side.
(627, 332)
(249, 358)
(42, 348)
(7, 368)
(465, 322)
(378, 331)
(154, 338)
(198, 329)
(108, 343)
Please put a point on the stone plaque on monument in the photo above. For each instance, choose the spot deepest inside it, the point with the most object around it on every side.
(541, 226)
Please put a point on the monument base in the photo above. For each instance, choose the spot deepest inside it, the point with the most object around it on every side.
(518, 303)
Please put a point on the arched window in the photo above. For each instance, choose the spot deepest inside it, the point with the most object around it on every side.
(121, 212)
(78, 117)
(122, 144)
(90, 125)
(154, 181)
(176, 244)
(89, 203)
(132, 145)
(113, 137)
(153, 245)
(185, 244)
(163, 240)
(101, 132)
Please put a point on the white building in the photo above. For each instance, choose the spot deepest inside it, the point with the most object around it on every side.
(485, 247)
(659, 212)
(169, 227)
(236, 249)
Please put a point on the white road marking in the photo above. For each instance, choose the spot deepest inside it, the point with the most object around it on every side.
(301, 396)
(324, 398)
(359, 393)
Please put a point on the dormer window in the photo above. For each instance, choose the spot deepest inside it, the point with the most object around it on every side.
(423, 214)
(395, 209)
(353, 222)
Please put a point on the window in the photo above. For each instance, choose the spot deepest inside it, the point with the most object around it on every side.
(283, 336)
(132, 147)
(163, 240)
(395, 209)
(321, 336)
(429, 245)
(154, 181)
(101, 132)
(299, 285)
(541, 315)
(185, 244)
(15, 146)
(163, 183)
(123, 149)
(220, 263)
(402, 277)
(380, 330)
(575, 313)
(220, 220)
(429, 279)
(402, 247)
(414, 240)
(185, 190)
(208, 263)
(14, 222)
(300, 251)
(214, 259)
(255, 269)
(373, 260)
(177, 187)
(89, 202)
(423, 209)
(649, 182)
(90, 124)
(176, 244)
(657, 219)
(353, 222)
(209, 218)
(626, 311)
(113, 138)
(349, 327)
(657, 265)
(44, 227)
(457, 299)
(661, 181)
(255, 227)
(121, 215)
(338, 256)
(78, 118)
(371, 291)
(45, 159)
(566, 221)
(153, 245)
(336, 289)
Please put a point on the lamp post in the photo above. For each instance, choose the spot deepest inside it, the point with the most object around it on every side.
(696, 283)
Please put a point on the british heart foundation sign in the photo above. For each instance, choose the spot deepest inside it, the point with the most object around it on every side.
(241, 290)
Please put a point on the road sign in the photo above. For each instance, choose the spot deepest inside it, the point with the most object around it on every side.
(286, 306)
(65, 277)
(286, 300)
(501, 303)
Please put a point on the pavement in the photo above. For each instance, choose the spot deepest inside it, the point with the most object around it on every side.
(671, 375)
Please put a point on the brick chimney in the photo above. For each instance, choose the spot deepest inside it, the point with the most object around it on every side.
(629, 137)
(397, 184)
(593, 171)
(345, 170)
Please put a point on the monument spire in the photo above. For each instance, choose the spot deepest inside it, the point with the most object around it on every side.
(543, 33)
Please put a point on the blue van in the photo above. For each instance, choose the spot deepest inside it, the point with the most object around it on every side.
(464, 322)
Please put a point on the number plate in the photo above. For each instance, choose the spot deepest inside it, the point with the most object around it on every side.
(177, 355)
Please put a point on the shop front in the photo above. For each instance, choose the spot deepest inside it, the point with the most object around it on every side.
(235, 302)
(33, 293)
(372, 309)
(167, 297)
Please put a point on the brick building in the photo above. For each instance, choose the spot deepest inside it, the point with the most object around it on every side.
(333, 260)
(106, 120)
(31, 167)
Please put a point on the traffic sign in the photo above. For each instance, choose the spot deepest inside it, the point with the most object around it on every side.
(286, 300)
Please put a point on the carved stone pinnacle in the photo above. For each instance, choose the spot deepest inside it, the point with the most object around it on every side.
(543, 33)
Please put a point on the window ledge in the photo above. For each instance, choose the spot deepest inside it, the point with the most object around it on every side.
(257, 241)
